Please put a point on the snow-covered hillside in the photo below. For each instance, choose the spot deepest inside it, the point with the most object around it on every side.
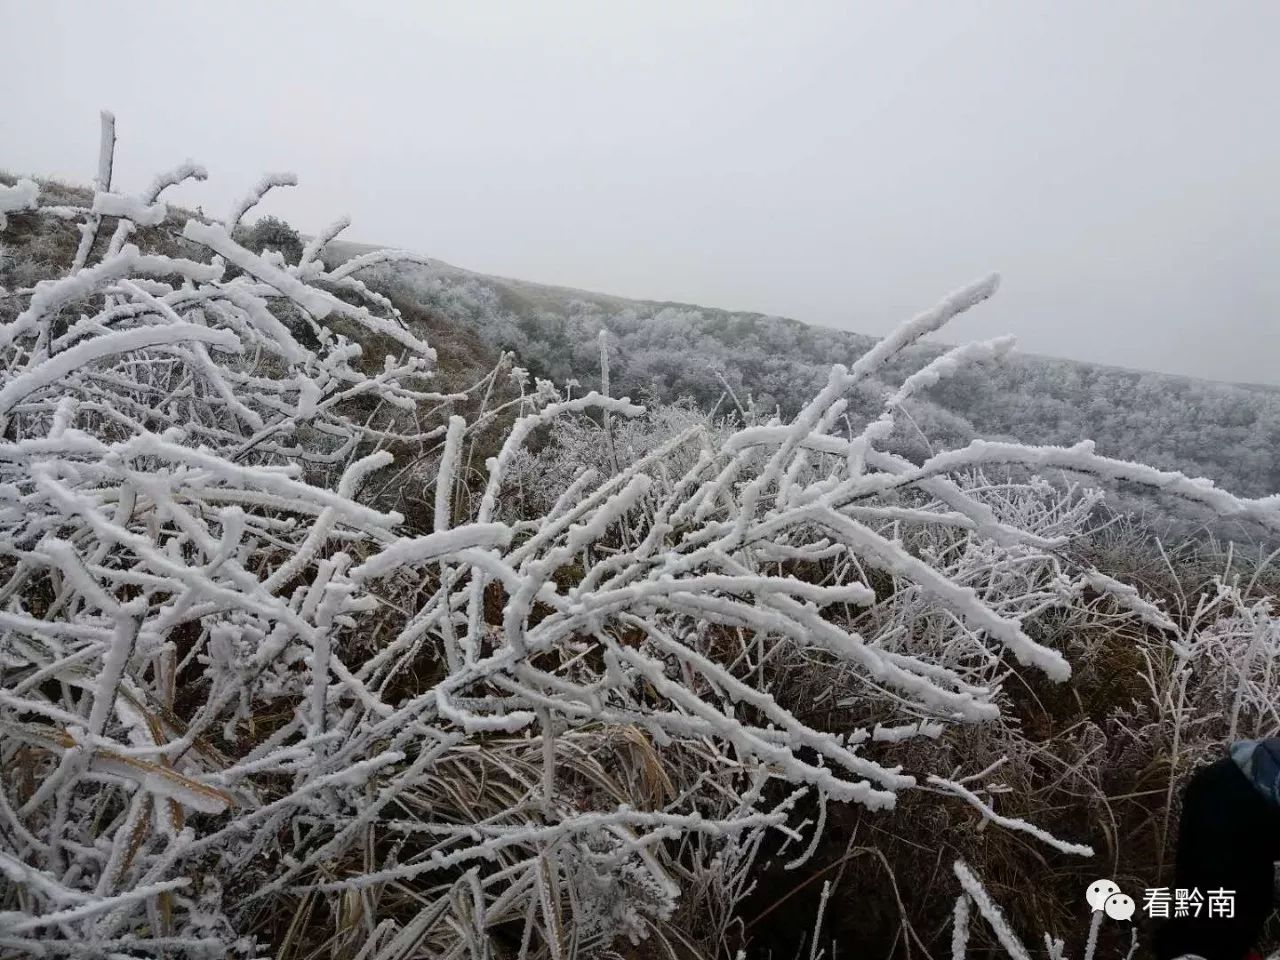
(1229, 433)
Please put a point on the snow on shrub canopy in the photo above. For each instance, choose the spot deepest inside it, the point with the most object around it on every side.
(231, 686)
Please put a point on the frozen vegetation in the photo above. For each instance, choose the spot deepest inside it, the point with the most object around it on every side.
(667, 351)
(309, 649)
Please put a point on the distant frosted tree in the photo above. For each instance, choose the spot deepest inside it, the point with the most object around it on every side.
(272, 233)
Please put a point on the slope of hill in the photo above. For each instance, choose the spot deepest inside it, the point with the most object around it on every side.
(1227, 432)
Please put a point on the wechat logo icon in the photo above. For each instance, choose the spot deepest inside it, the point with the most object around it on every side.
(1104, 895)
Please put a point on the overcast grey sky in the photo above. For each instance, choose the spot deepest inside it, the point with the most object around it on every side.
(844, 164)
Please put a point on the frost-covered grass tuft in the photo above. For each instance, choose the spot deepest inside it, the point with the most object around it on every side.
(246, 710)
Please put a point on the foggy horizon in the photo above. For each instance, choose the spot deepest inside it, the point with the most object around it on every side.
(845, 168)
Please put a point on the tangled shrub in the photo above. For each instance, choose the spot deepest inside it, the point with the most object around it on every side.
(272, 233)
(245, 712)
